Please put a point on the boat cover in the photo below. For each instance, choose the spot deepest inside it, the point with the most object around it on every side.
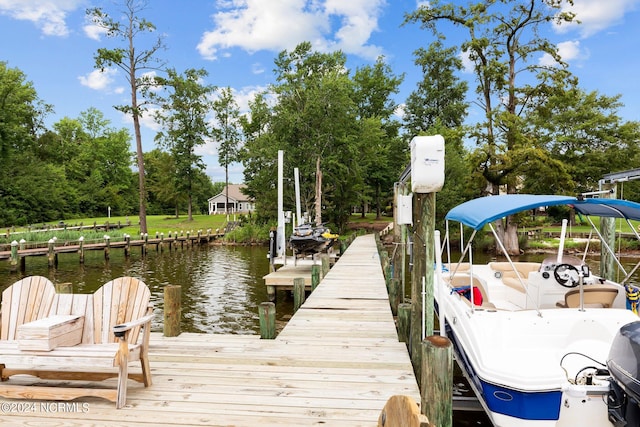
(478, 212)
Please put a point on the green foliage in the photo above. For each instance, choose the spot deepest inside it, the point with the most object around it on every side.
(184, 105)
(249, 233)
(328, 124)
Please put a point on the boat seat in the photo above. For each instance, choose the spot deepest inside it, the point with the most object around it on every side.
(595, 296)
(460, 280)
(509, 276)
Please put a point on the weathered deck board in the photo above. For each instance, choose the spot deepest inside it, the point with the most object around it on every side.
(335, 363)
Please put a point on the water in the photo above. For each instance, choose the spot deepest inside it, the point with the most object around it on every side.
(222, 286)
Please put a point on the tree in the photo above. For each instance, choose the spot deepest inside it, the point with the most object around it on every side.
(501, 47)
(183, 113)
(134, 63)
(21, 114)
(162, 182)
(583, 131)
(315, 120)
(374, 87)
(440, 96)
(228, 131)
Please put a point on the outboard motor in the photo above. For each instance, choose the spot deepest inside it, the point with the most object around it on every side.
(624, 366)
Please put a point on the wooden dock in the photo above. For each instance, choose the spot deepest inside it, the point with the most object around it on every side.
(335, 363)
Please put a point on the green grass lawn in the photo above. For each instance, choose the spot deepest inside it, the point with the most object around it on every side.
(155, 224)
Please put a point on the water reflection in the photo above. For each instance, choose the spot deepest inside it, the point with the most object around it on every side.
(222, 286)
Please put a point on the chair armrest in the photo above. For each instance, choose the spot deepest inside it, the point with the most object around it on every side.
(119, 330)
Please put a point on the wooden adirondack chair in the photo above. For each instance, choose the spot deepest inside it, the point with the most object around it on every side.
(111, 320)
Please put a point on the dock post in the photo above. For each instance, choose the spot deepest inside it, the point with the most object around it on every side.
(22, 259)
(172, 310)
(64, 288)
(404, 322)
(267, 314)
(437, 380)
(14, 256)
(51, 254)
(324, 259)
(127, 247)
(394, 295)
(298, 293)
(107, 246)
(315, 276)
(81, 249)
(145, 238)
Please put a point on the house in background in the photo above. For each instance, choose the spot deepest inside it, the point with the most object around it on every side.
(238, 201)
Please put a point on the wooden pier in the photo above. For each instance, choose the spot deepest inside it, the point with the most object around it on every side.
(336, 363)
(17, 256)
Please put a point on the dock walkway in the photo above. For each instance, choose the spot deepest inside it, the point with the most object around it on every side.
(335, 363)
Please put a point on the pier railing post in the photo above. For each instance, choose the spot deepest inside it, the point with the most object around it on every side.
(172, 310)
(437, 380)
(298, 293)
(267, 314)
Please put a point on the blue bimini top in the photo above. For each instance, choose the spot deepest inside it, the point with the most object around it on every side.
(477, 213)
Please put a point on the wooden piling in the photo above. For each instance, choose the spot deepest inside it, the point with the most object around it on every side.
(267, 314)
(315, 276)
(324, 260)
(106, 247)
(13, 261)
(127, 248)
(404, 322)
(64, 288)
(437, 380)
(81, 249)
(52, 257)
(394, 295)
(298, 293)
(172, 310)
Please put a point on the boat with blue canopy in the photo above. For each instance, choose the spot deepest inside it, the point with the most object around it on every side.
(548, 343)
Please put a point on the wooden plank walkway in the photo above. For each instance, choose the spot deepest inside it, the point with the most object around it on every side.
(335, 363)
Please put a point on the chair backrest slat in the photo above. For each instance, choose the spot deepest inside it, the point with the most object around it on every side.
(26, 300)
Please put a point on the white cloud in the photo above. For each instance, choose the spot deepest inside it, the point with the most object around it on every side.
(98, 80)
(596, 15)
(467, 64)
(94, 31)
(255, 25)
(257, 68)
(569, 51)
(48, 15)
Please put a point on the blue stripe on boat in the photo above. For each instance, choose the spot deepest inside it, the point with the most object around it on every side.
(524, 405)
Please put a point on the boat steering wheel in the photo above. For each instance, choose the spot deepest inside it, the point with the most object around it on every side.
(564, 273)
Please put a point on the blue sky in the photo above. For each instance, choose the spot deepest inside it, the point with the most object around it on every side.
(236, 41)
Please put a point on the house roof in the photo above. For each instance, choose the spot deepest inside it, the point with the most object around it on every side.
(235, 193)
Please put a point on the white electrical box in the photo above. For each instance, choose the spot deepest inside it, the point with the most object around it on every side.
(405, 210)
(427, 164)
